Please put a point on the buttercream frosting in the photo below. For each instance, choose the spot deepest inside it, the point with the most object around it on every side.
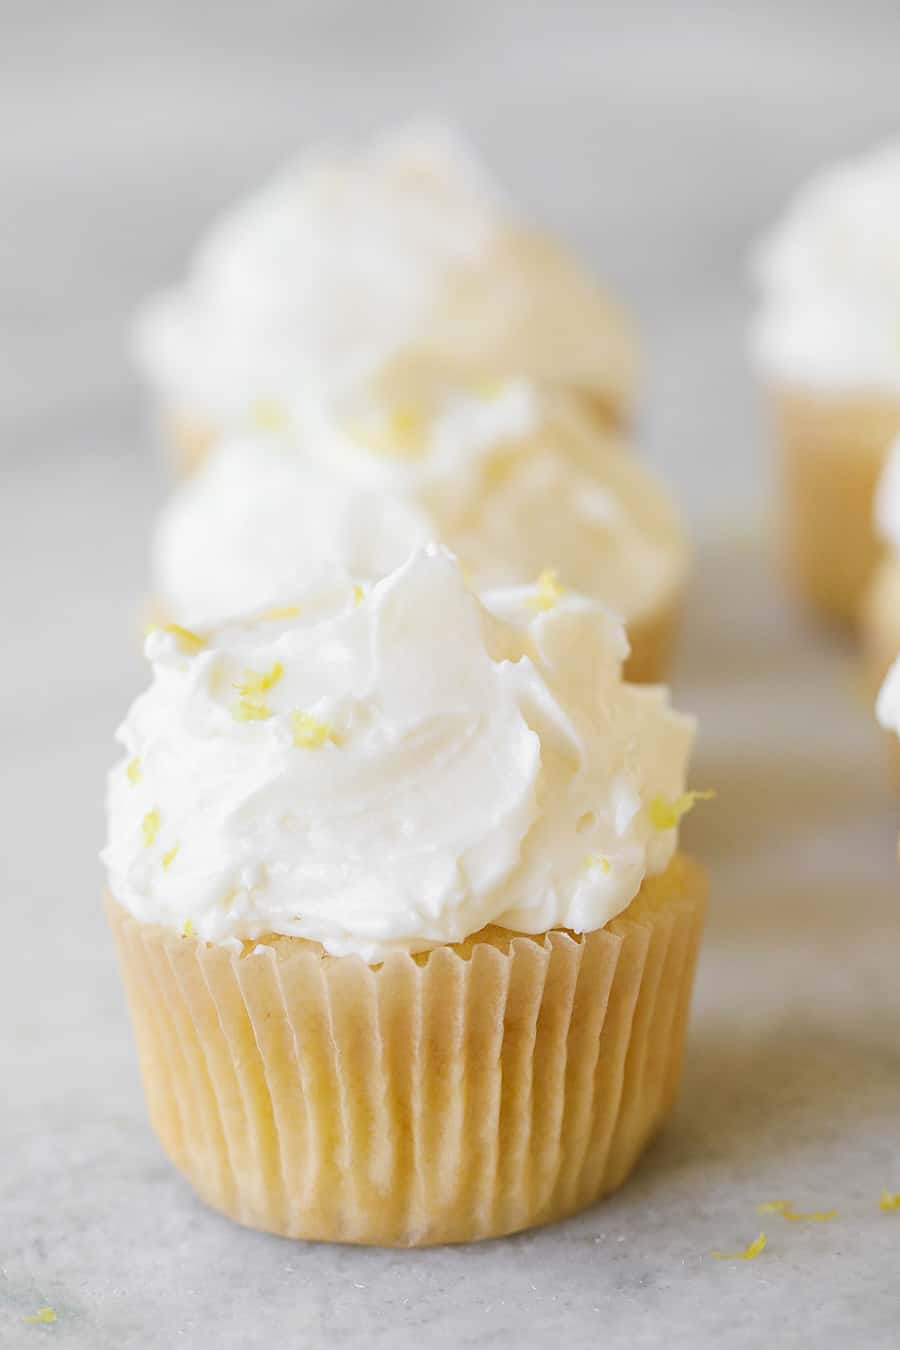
(348, 261)
(829, 275)
(511, 480)
(394, 766)
(887, 705)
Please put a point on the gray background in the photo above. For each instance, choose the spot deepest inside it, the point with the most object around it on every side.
(659, 138)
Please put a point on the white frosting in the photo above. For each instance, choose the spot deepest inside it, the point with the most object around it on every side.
(471, 764)
(510, 482)
(887, 706)
(830, 280)
(347, 261)
(887, 500)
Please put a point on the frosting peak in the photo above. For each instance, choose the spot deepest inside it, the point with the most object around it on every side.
(829, 274)
(349, 261)
(361, 482)
(394, 767)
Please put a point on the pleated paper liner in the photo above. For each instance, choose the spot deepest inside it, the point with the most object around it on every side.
(466, 1093)
(831, 452)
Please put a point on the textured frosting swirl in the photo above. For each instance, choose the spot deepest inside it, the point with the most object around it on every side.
(829, 275)
(887, 706)
(346, 262)
(394, 767)
(361, 485)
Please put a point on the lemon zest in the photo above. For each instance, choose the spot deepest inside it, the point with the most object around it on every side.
(665, 813)
(786, 1209)
(308, 732)
(597, 860)
(358, 594)
(133, 770)
(889, 1200)
(42, 1315)
(187, 928)
(402, 437)
(249, 711)
(269, 415)
(252, 682)
(281, 612)
(756, 1246)
(149, 826)
(188, 641)
(547, 590)
(169, 858)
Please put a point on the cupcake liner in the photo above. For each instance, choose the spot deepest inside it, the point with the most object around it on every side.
(831, 451)
(460, 1094)
(653, 637)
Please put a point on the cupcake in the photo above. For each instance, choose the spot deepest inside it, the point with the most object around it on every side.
(827, 342)
(519, 484)
(395, 886)
(349, 262)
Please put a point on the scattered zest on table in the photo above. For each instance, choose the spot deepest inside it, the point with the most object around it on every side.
(756, 1246)
(42, 1315)
(786, 1209)
(889, 1200)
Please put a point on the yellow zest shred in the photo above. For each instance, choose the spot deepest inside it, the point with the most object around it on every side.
(309, 734)
(133, 770)
(486, 386)
(666, 813)
(249, 711)
(282, 612)
(188, 641)
(170, 857)
(149, 826)
(187, 929)
(358, 595)
(889, 1200)
(547, 590)
(42, 1315)
(253, 682)
(597, 860)
(756, 1246)
(786, 1209)
(269, 415)
(402, 437)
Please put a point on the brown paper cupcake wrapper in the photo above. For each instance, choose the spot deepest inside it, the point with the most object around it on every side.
(653, 638)
(466, 1093)
(831, 452)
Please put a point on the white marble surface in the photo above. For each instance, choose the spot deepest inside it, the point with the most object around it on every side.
(660, 137)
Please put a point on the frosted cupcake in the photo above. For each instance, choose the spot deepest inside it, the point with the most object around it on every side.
(352, 261)
(394, 883)
(827, 340)
(521, 486)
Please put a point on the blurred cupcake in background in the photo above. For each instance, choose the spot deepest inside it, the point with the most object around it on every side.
(880, 622)
(348, 262)
(395, 884)
(827, 343)
(522, 485)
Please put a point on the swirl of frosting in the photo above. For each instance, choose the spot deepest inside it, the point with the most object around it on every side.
(360, 486)
(394, 767)
(887, 705)
(829, 276)
(346, 262)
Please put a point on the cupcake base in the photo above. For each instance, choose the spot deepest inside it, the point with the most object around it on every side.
(461, 1094)
(653, 638)
(831, 452)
